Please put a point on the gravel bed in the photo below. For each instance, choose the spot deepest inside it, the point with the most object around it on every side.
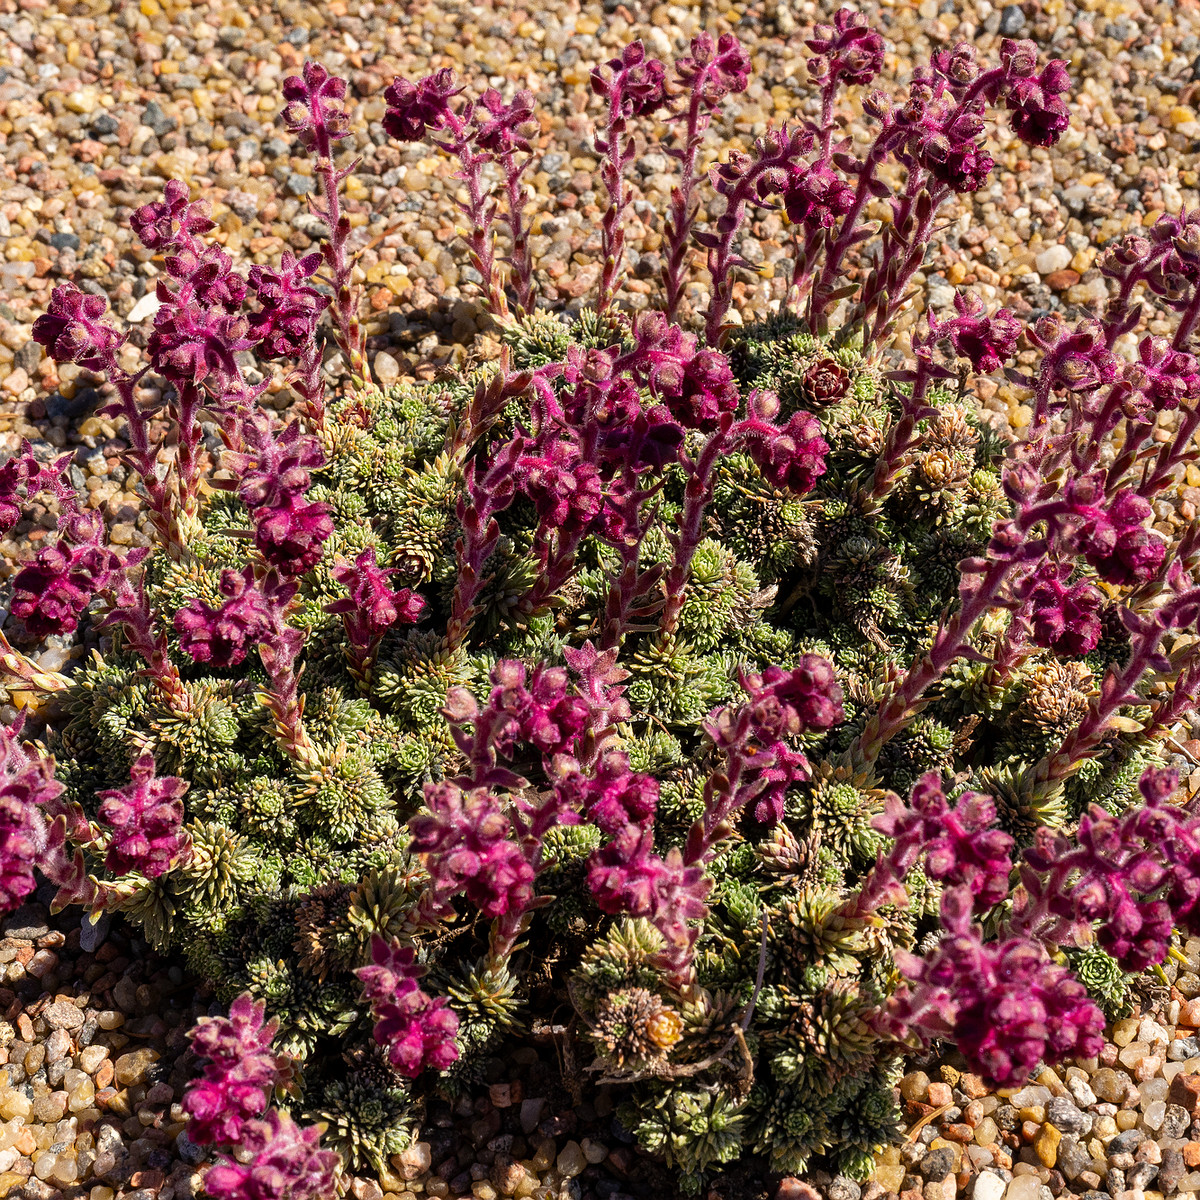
(102, 101)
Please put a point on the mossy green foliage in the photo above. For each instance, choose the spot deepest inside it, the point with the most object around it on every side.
(295, 868)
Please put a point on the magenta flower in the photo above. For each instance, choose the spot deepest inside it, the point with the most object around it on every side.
(224, 636)
(564, 489)
(289, 309)
(706, 390)
(500, 133)
(987, 341)
(776, 767)
(283, 1163)
(209, 275)
(1162, 378)
(627, 877)
(18, 473)
(1102, 878)
(413, 108)
(638, 84)
(849, 51)
(1112, 535)
(166, 223)
(544, 714)
(276, 472)
(1005, 1004)
(191, 342)
(815, 195)
(307, 94)
(463, 841)
(791, 702)
(961, 847)
(792, 457)
(1064, 618)
(147, 819)
(372, 608)
(418, 1030)
(291, 537)
(72, 332)
(51, 592)
(719, 68)
(241, 1074)
(1037, 114)
(26, 783)
(614, 797)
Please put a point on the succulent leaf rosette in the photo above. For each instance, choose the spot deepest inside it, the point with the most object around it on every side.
(743, 672)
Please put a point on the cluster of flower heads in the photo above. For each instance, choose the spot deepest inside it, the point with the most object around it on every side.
(417, 1030)
(1006, 1004)
(51, 592)
(146, 817)
(371, 607)
(27, 784)
(275, 472)
(228, 1107)
(249, 615)
(1127, 882)
(241, 1074)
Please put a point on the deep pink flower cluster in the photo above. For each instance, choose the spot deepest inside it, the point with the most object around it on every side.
(172, 221)
(289, 308)
(1102, 877)
(1005, 1004)
(986, 341)
(848, 51)
(416, 1029)
(26, 783)
(1162, 378)
(791, 458)
(51, 592)
(1112, 533)
(782, 705)
(275, 471)
(961, 845)
(628, 438)
(715, 69)
(147, 820)
(815, 195)
(565, 490)
(284, 1162)
(464, 844)
(1077, 359)
(545, 714)
(1131, 877)
(191, 343)
(1065, 617)
(249, 616)
(22, 477)
(612, 797)
(1038, 115)
(706, 390)
(71, 329)
(314, 90)
(637, 85)
(372, 608)
(240, 1077)
(500, 131)
(627, 877)
(788, 702)
(413, 109)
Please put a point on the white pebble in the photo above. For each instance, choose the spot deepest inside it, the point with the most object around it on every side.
(1053, 258)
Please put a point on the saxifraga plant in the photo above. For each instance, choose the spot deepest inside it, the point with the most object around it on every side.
(619, 652)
